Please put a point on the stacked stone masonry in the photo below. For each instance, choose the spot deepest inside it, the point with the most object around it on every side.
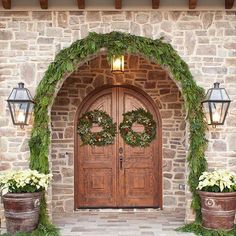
(29, 41)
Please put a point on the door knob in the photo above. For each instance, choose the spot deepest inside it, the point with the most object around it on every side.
(121, 162)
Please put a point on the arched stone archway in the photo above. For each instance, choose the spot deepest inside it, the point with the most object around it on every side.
(148, 77)
(117, 43)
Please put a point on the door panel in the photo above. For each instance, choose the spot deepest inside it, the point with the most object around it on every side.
(98, 183)
(97, 165)
(138, 187)
(139, 182)
(118, 175)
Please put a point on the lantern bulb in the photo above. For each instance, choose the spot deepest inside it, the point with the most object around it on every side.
(117, 64)
(21, 117)
(216, 117)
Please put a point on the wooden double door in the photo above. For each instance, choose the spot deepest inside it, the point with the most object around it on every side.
(118, 175)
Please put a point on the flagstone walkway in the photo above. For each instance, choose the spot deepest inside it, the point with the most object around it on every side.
(148, 222)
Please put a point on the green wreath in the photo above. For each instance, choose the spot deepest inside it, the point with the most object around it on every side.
(138, 139)
(105, 136)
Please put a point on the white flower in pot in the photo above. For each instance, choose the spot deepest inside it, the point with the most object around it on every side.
(217, 190)
(21, 198)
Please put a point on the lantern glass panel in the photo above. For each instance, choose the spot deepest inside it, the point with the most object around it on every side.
(216, 112)
(218, 95)
(219, 111)
(30, 112)
(20, 94)
(19, 112)
(207, 112)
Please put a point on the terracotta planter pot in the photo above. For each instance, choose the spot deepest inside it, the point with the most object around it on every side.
(21, 211)
(218, 210)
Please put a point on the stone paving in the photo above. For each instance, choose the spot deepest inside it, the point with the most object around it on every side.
(120, 223)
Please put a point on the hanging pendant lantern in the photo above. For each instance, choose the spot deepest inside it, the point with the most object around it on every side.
(21, 104)
(118, 64)
(216, 105)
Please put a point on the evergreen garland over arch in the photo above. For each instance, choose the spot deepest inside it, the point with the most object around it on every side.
(117, 43)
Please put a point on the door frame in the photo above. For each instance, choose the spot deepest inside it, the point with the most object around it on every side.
(159, 132)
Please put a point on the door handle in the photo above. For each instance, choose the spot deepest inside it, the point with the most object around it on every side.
(121, 162)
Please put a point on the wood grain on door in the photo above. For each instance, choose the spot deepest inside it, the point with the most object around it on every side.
(118, 175)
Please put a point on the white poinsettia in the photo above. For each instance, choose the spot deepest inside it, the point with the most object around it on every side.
(24, 181)
(217, 181)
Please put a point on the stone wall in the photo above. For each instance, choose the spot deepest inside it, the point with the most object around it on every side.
(30, 40)
(138, 72)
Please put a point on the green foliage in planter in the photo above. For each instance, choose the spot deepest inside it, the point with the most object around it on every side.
(200, 231)
(117, 43)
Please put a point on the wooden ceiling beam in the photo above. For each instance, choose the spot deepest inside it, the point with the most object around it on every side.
(6, 4)
(192, 4)
(81, 4)
(44, 4)
(155, 4)
(118, 4)
(229, 4)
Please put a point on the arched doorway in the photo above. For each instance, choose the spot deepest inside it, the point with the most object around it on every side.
(145, 78)
(118, 175)
(117, 43)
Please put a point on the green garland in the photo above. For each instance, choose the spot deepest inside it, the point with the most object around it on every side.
(104, 137)
(118, 43)
(199, 230)
(133, 138)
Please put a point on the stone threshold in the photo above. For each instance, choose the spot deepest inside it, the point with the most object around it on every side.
(117, 210)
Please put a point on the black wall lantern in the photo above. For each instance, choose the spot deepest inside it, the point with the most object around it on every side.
(21, 104)
(216, 105)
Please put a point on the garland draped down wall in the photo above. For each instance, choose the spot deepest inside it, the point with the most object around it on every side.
(117, 43)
